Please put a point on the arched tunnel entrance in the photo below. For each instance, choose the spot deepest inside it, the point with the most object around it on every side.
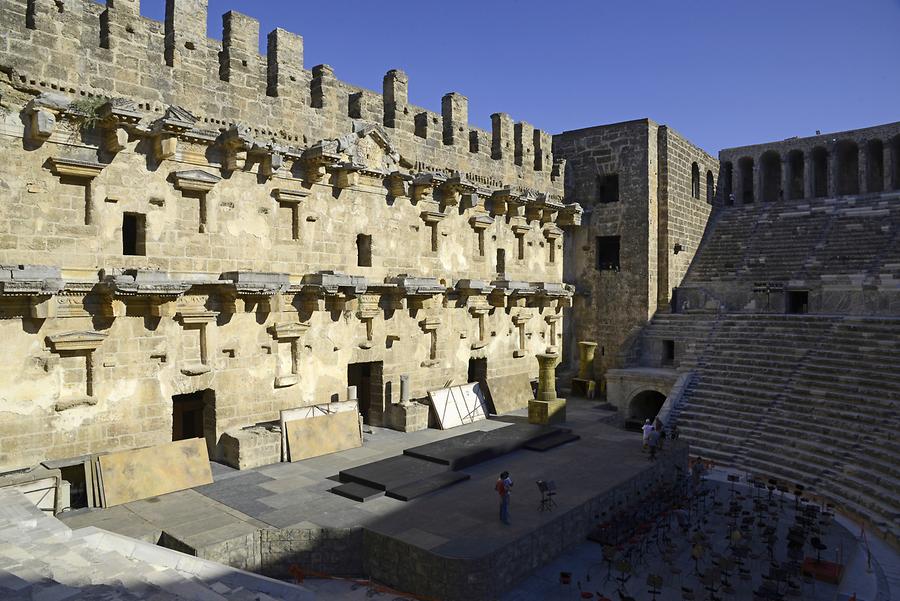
(644, 405)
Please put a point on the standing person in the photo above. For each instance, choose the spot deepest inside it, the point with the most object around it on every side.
(503, 486)
(654, 442)
(646, 429)
(660, 430)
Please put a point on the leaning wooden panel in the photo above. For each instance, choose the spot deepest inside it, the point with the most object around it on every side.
(509, 393)
(157, 470)
(324, 434)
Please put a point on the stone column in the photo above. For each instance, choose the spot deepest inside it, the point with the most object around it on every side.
(808, 180)
(351, 393)
(586, 351)
(404, 390)
(547, 408)
(547, 376)
(737, 184)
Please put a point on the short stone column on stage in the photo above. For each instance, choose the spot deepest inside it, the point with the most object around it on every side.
(407, 415)
(547, 408)
(584, 384)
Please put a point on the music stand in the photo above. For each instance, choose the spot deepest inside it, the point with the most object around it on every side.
(548, 491)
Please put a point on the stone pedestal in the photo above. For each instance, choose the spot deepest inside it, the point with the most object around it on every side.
(407, 417)
(584, 385)
(586, 352)
(547, 412)
(547, 408)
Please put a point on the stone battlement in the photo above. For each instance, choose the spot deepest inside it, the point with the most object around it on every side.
(85, 49)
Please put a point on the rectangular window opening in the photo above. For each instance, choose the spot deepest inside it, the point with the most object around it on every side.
(668, 357)
(608, 188)
(798, 301)
(608, 253)
(133, 234)
(364, 250)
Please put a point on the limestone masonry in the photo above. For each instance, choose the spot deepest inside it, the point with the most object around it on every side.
(198, 241)
(195, 237)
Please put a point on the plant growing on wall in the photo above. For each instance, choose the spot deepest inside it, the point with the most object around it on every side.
(84, 114)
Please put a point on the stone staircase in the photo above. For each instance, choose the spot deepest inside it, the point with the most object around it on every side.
(42, 558)
(805, 239)
(804, 399)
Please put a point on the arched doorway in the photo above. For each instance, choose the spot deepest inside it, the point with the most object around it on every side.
(727, 175)
(795, 175)
(895, 163)
(695, 180)
(875, 166)
(847, 167)
(710, 187)
(745, 167)
(645, 405)
(820, 172)
(770, 163)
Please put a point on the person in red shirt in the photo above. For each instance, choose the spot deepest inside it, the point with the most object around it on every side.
(503, 486)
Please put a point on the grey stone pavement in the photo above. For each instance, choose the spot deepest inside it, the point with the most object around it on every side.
(296, 495)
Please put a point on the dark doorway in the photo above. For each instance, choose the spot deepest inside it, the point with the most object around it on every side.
(187, 415)
(133, 234)
(364, 250)
(895, 163)
(795, 175)
(745, 165)
(646, 405)
(727, 177)
(770, 163)
(874, 166)
(668, 356)
(847, 167)
(820, 172)
(501, 262)
(75, 476)
(798, 301)
(478, 373)
(367, 379)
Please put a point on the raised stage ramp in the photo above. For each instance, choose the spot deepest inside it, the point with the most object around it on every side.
(426, 468)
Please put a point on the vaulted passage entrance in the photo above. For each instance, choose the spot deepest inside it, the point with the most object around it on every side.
(770, 188)
(194, 416)
(367, 379)
(646, 405)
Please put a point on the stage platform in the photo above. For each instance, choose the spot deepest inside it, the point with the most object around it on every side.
(444, 541)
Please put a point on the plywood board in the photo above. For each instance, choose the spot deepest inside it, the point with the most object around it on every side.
(458, 405)
(509, 393)
(151, 471)
(288, 415)
(41, 492)
(314, 436)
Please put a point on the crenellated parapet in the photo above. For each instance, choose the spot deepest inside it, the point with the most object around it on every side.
(189, 86)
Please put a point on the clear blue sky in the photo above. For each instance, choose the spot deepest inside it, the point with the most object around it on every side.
(722, 72)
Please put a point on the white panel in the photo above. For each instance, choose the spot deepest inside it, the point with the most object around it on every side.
(458, 405)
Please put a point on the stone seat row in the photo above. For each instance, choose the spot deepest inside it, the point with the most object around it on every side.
(830, 486)
(824, 482)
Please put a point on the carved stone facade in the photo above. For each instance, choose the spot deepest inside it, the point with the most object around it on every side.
(182, 216)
